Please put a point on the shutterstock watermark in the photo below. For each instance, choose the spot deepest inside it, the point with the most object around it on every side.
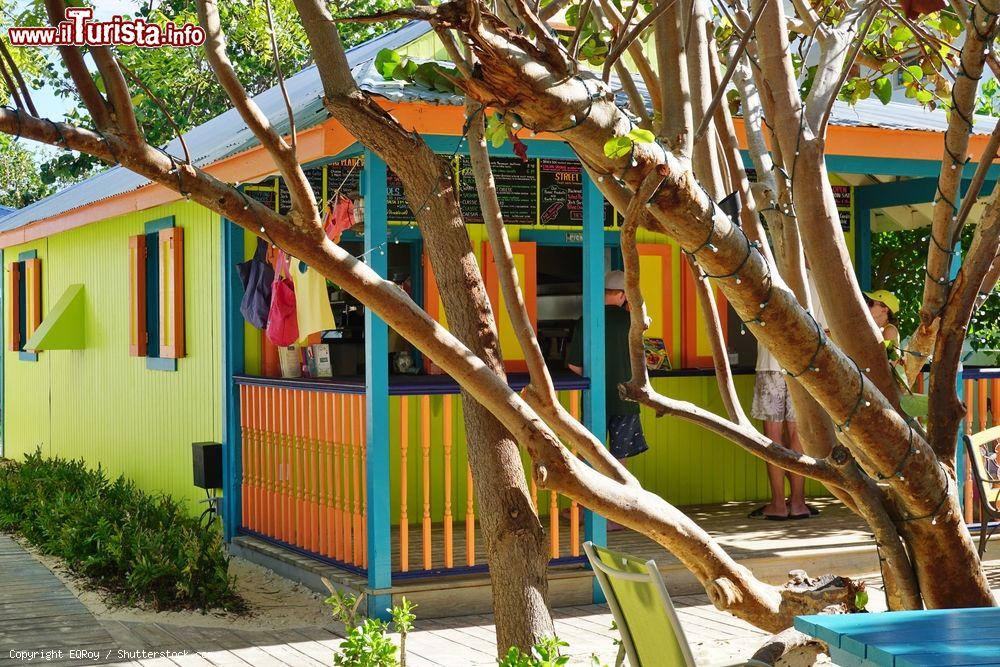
(80, 29)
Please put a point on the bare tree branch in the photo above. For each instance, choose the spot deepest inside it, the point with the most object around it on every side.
(281, 77)
(303, 200)
(91, 97)
(16, 72)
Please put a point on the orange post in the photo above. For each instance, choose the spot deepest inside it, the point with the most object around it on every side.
(449, 548)
(404, 444)
(356, 491)
(425, 448)
(574, 507)
(470, 520)
(312, 471)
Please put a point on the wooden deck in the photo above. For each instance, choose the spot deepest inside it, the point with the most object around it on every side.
(39, 614)
(835, 541)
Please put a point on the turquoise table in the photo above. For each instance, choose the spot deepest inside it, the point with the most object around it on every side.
(909, 638)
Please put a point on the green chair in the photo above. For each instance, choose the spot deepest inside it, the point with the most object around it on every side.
(651, 631)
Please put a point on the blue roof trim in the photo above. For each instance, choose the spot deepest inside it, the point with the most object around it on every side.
(227, 134)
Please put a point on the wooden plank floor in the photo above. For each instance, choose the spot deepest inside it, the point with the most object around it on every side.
(741, 537)
(38, 613)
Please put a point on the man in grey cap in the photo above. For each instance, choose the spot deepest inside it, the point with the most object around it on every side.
(624, 428)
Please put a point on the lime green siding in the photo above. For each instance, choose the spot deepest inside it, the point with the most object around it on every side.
(99, 403)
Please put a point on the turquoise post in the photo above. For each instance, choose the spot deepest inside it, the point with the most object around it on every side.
(956, 264)
(232, 364)
(377, 396)
(594, 407)
(863, 243)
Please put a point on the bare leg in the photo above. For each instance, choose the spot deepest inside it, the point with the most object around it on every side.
(775, 475)
(797, 503)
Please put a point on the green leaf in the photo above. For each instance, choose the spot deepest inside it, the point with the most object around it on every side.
(900, 35)
(914, 405)
(951, 25)
(862, 89)
(912, 74)
(386, 61)
(641, 136)
(883, 89)
(924, 96)
(861, 599)
(617, 147)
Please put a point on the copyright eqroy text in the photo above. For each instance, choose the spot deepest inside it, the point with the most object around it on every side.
(89, 654)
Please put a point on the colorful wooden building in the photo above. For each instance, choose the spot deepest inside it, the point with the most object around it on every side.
(124, 344)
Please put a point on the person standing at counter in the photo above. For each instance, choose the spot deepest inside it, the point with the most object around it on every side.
(626, 438)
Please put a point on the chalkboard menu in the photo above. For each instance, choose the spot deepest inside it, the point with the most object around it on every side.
(397, 210)
(516, 184)
(561, 187)
(262, 192)
(315, 178)
(842, 195)
(345, 175)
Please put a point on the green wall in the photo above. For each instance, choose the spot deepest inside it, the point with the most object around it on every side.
(99, 403)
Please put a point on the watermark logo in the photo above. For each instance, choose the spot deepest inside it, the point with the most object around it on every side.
(80, 29)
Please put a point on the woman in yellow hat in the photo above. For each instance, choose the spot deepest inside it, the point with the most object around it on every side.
(884, 306)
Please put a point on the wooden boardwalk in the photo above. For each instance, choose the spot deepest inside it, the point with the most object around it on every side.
(39, 614)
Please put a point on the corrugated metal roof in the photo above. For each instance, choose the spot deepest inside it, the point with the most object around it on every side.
(6, 210)
(219, 138)
(228, 135)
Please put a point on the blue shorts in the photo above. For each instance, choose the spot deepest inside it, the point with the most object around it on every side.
(625, 438)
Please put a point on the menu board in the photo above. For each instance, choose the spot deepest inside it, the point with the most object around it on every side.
(561, 188)
(315, 178)
(345, 176)
(397, 210)
(516, 183)
(262, 192)
(843, 194)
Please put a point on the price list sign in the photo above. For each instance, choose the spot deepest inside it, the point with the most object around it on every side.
(315, 178)
(263, 192)
(516, 184)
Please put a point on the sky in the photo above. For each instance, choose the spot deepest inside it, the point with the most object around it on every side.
(50, 106)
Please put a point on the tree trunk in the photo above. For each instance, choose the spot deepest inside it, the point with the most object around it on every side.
(515, 543)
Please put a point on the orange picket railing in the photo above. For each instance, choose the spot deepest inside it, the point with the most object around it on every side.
(303, 452)
(304, 483)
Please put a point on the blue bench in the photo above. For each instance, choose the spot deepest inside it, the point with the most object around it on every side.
(930, 638)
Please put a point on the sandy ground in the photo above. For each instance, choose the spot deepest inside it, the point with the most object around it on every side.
(273, 601)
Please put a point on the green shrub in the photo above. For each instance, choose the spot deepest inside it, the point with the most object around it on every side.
(139, 547)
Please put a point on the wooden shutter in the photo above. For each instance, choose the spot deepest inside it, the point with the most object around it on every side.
(696, 346)
(525, 262)
(14, 307)
(137, 339)
(171, 242)
(32, 296)
(656, 279)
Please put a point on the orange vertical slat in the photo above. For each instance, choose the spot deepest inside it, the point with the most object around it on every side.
(326, 408)
(982, 387)
(137, 295)
(266, 407)
(967, 500)
(277, 506)
(302, 414)
(574, 507)
(346, 469)
(920, 383)
(356, 491)
(256, 456)
(14, 307)
(172, 292)
(288, 513)
(404, 444)
(449, 547)
(995, 404)
(553, 524)
(425, 448)
(338, 484)
(245, 506)
(470, 520)
(320, 471)
(364, 481)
